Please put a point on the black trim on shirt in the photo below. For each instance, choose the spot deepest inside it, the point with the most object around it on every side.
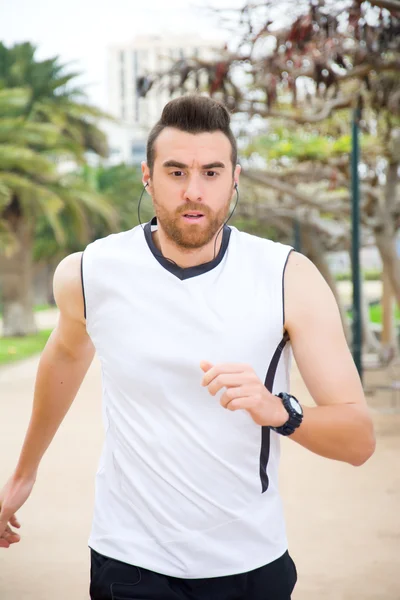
(83, 288)
(265, 430)
(283, 285)
(185, 272)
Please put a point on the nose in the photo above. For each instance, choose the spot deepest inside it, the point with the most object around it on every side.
(194, 191)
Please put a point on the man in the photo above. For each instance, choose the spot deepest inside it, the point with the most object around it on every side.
(191, 321)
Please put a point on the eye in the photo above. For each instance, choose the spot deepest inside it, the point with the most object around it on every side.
(177, 173)
(211, 174)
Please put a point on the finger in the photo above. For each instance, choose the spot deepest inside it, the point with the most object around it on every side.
(3, 525)
(223, 368)
(243, 403)
(232, 393)
(14, 522)
(228, 380)
(10, 536)
(5, 516)
(4, 543)
(205, 365)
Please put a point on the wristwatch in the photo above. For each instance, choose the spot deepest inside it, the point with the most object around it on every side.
(295, 413)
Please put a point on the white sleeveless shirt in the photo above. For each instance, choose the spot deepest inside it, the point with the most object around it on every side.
(185, 487)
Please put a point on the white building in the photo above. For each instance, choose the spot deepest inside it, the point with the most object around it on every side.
(132, 66)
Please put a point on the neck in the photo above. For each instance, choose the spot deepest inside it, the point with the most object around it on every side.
(186, 257)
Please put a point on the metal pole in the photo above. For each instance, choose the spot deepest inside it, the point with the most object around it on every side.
(355, 243)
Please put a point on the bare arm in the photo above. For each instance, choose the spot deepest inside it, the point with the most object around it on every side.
(62, 368)
(340, 426)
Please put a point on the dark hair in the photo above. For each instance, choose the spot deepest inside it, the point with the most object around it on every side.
(193, 114)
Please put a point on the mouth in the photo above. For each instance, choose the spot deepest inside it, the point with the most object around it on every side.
(193, 216)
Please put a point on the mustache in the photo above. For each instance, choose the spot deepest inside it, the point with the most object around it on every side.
(195, 206)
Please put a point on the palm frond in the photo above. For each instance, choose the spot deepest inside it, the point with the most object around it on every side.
(35, 198)
(19, 131)
(25, 160)
(13, 100)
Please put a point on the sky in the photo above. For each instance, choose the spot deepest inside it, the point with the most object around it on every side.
(80, 31)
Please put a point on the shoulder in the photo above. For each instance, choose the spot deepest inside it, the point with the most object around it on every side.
(275, 253)
(308, 296)
(257, 241)
(116, 241)
(301, 270)
(67, 285)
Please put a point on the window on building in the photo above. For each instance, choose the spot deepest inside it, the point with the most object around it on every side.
(138, 152)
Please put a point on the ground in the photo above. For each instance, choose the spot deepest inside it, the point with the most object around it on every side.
(343, 522)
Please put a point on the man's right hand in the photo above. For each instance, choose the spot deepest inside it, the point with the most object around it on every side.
(12, 497)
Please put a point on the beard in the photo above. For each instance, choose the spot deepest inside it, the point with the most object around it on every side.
(191, 236)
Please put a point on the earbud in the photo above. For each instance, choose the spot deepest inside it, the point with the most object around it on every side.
(235, 186)
(146, 184)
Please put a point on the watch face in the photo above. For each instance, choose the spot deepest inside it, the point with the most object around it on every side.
(296, 406)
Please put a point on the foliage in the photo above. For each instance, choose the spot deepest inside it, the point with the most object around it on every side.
(120, 186)
(53, 98)
(375, 314)
(370, 275)
(17, 348)
(46, 125)
(43, 121)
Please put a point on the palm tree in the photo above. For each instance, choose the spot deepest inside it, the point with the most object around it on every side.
(41, 124)
(54, 98)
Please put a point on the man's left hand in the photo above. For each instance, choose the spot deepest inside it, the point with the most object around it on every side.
(244, 391)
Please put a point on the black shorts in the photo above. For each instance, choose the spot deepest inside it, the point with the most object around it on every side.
(115, 580)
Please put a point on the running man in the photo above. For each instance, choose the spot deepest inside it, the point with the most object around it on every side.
(194, 323)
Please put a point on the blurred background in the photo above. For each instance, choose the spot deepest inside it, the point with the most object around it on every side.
(314, 91)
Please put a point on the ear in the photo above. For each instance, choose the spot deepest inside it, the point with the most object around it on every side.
(236, 175)
(146, 175)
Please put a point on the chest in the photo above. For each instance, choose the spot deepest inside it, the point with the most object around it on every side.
(156, 327)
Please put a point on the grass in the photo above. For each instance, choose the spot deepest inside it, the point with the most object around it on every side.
(368, 275)
(375, 313)
(16, 348)
(41, 307)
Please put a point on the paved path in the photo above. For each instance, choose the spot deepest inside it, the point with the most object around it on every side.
(343, 523)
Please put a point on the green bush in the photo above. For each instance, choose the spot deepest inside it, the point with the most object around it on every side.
(16, 348)
(370, 275)
(375, 313)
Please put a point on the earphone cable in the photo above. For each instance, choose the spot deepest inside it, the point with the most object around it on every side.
(234, 208)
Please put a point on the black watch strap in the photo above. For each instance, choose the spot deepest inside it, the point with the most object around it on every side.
(295, 416)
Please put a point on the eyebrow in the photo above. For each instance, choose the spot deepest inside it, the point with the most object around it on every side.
(179, 165)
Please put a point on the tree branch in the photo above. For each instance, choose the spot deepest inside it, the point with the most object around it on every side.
(329, 107)
(310, 173)
(290, 190)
